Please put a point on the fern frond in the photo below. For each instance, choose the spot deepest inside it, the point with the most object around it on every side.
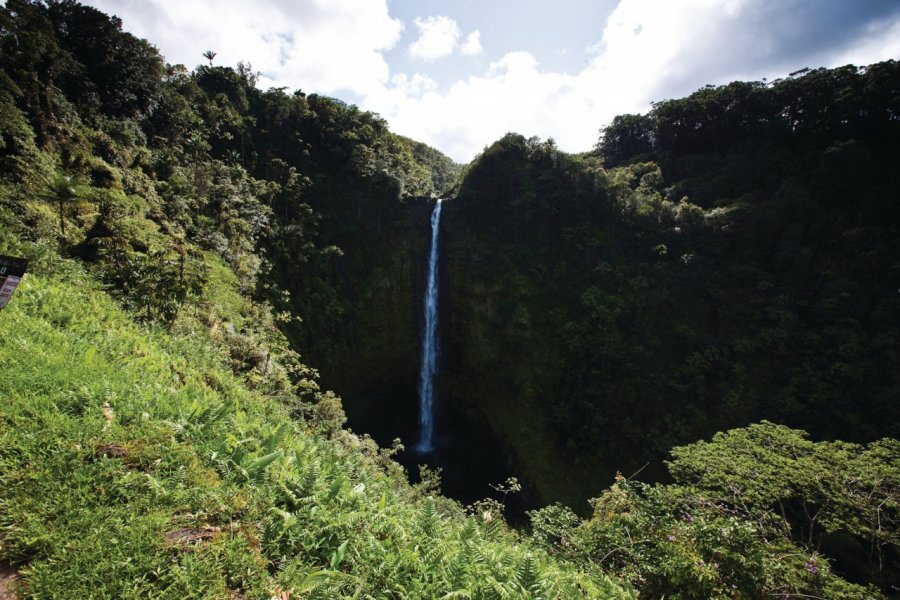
(309, 479)
(428, 517)
(334, 489)
(527, 575)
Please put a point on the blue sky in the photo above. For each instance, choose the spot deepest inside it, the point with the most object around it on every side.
(555, 33)
(458, 74)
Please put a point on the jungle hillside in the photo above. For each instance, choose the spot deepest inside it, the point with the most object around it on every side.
(668, 365)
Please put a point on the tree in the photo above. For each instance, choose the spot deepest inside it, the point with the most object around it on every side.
(815, 493)
(115, 72)
(34, 62)
(209, 55)
(626, 137)
(62, 189)
(160, 282)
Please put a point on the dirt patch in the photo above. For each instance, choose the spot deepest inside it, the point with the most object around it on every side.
(8, 577)
(112, 450)
(187, 537)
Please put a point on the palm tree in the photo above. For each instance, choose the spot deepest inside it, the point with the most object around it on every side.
(209, 55)
(62, 189)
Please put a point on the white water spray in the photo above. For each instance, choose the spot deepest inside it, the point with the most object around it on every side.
(429, 342)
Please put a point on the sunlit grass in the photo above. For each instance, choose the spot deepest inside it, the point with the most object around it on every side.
(132, 464)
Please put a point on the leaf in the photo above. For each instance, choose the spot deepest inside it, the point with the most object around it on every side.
(257, 468)
(338, 555)
(335, 489)
(314, 580)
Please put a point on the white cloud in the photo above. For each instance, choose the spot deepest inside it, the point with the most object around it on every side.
(414, 86)
(644, 54)
(472, 44)
(326, 46)
(882, 40)
(514, 96)
(437, 38)
(638, 52)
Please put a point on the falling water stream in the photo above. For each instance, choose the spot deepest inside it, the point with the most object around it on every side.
(463, 448)
(429, 342)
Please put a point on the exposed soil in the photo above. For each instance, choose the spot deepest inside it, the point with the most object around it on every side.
(8, 576)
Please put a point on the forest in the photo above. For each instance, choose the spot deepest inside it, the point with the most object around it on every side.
(673, 359)
(726, 258)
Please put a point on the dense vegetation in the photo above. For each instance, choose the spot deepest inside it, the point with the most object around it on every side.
(190, 235)
(726, 258)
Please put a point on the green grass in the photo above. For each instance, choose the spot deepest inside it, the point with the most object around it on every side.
(191, 485)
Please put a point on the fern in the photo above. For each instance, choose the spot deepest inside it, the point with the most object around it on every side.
(458, 571)
(501, 589)
(527, 575)
(356, 520)
(275, 438)
(255, 470)
(315, 580)
(291, 494)
(203, 419)
(334, 489)
(428, 517)
(469, 531)
(277, 528)
(431, 554)
(310, 479)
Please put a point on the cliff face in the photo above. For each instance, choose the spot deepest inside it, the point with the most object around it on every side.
(598, 310)
(366, 346)
(504, 296)
(376, 367)
(598, 316)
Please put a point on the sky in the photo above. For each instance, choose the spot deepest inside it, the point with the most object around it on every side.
(459, 74)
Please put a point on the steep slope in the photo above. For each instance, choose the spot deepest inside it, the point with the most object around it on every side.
(134, 463)
(161, 436)
(732, 260)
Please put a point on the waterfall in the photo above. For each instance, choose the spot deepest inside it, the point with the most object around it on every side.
(429, 342)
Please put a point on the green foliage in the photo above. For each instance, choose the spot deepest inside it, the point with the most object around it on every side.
(127, 472)
(841, 497)
(685, 545)
(553, 527)
(735, 264)
(626, 137)
(62, 190)
(444, 172)
(115, 72)
(721, 260)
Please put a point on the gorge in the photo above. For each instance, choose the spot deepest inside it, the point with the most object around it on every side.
(683, 342)
(692, 275)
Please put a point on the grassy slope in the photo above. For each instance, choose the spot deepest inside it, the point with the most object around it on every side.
(191, 485)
